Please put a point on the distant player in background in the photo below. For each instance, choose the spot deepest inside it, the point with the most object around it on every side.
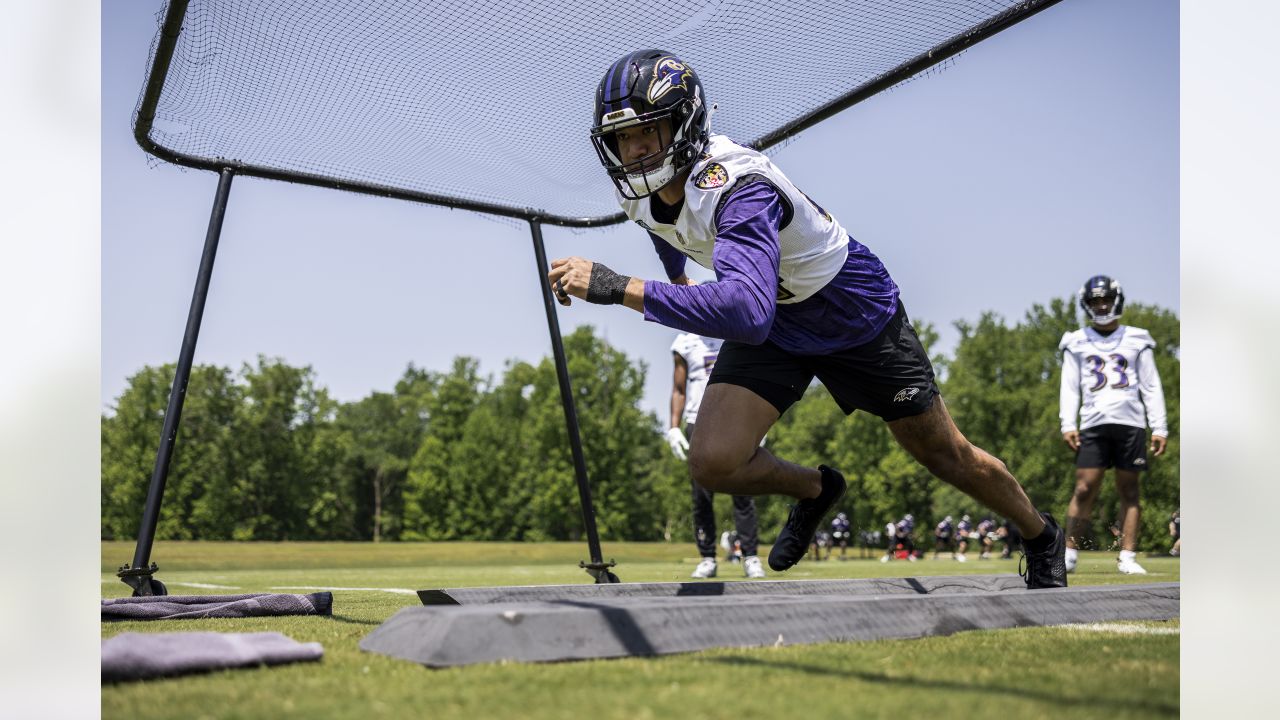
(942, 537)
(1112, 367)
(906, 526)
(1008, 532)
(821, 540)
(986, 537)
(840, 534)
(693, 356)
(868, 539)
(891, 540)
(964, 533)
(1175, 532)
(731, 545)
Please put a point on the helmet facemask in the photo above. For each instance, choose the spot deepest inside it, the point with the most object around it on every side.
(649, 174)
(650, 88)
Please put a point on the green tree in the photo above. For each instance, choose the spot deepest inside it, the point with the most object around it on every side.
(278, 474)
(495, 461)
(200, 466)
(632, 482)
(378, 437)
(434, 496)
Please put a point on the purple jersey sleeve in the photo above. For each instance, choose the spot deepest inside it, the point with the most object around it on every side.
(672, 259)
(741, 304)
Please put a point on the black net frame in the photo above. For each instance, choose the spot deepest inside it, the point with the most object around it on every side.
(960, 35)
(176, 18)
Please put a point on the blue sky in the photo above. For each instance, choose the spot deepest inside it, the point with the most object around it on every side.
(1044, 155)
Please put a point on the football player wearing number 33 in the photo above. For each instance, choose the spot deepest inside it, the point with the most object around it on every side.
(1113, 368)
(795, 298)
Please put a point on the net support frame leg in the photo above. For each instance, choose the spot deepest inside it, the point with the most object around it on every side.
(140, 575)
(597, 568)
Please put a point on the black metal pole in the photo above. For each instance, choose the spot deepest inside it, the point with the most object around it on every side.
(139, 575)
(597, 567)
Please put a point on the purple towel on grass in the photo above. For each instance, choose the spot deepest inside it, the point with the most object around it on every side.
(138, 656)
(170, 607)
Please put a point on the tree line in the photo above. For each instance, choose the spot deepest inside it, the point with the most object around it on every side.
(264, 453)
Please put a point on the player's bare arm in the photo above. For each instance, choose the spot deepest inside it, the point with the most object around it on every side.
(594, 282)
(679, 376)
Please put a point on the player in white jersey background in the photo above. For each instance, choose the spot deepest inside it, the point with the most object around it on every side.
(693, 356)
(1109, 379)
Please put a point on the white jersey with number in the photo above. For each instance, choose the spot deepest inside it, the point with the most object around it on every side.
(699, 355)
(813, 247)
(1115, 375)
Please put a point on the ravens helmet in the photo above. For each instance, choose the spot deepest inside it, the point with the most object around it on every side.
(1101, 286)
(644, 87)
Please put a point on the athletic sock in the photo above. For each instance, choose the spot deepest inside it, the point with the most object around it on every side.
(1043, 540)
(1072, 554)
(1128, 556)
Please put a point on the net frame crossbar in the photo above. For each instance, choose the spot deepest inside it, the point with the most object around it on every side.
(139, 574)
(172, 28)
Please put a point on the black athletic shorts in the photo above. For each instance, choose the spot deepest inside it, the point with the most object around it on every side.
(890, 376)
(1123, 447)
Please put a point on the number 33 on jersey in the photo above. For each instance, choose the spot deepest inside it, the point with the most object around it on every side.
(1110, 379)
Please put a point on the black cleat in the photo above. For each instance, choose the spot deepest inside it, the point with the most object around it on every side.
(797, 533)
(1048, 567)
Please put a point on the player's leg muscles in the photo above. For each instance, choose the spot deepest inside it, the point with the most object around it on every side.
(934, 441)
(1128, 488)
(1088, 480)
(725, 456)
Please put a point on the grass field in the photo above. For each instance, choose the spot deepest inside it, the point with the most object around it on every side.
(1127, 671)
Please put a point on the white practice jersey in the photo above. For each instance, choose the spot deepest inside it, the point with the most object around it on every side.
(699, 355)
(1115, 375)
(813, 247)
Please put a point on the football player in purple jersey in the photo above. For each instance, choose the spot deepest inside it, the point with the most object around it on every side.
(796, 298)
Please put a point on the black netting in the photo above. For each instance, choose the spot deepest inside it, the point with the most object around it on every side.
(490, 101)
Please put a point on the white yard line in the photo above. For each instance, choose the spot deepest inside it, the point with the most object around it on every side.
(209, 586)
(1123, 629)
(397, 591)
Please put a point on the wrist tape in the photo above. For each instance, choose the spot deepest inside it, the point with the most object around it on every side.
(606, 287)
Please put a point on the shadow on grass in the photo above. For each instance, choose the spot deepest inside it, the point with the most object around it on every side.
(916, 683)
